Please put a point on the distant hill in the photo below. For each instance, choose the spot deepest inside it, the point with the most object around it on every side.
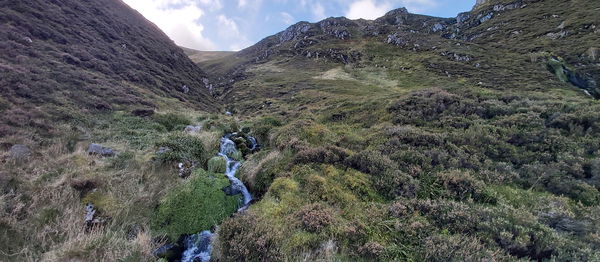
(60, 59)
(202, 56)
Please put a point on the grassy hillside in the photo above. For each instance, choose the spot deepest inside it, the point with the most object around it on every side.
(60, 60)
(393, 140)
(406, 138)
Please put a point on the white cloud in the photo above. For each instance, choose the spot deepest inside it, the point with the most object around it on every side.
(287, 18)
(318, 11)
(419, 6)
(212, 5)
(367, 9)
(177, 18)
(373, 9)
(229, 30)
(242, 3)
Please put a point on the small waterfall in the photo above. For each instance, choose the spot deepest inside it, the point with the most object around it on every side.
(198, 246)
(253, 143)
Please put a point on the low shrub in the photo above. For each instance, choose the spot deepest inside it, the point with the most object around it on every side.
(172, 121)
(217, 164)
(461, 185)
(443, 248)
(315, 217)
(182, 148)
(326, 155)
(248, 237)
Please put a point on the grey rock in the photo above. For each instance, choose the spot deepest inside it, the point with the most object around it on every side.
(228, 113)
(463, 17)
(395, 40)
(89, 213)
(19, 152)
(394, 17)
(231, 190)
(186, 169)
(438, 27)
(557, 35)
(185, 89)
(163, 150)
(294, 31)
(485, 18)
(193, 129)
(96, 149)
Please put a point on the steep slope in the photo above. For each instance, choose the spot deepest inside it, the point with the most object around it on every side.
(60, 59)
(415, 138)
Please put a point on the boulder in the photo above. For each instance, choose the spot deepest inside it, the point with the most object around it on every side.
(163, 150)
(96, 149)
(193, 129)
(19, 152)
(231, 190)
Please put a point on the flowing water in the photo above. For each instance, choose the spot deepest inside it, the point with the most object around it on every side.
(198, 246)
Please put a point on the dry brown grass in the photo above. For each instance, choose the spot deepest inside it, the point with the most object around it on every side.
(251, 167)
(44, 185)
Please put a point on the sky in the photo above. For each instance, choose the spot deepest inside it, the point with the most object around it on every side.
(231, 25)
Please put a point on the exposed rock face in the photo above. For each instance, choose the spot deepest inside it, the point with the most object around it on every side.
(394, 17)
(479, 3)
(463, 17)
(294, 31)
(19, 152)
(96, 149)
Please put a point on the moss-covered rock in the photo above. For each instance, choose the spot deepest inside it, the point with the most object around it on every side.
(195, 206)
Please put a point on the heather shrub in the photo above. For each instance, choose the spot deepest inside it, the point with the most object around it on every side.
(444, 248)
(371, 162)
(327, 155)
(371, 250)
(315, 217)
(248, 237)
(461, 185)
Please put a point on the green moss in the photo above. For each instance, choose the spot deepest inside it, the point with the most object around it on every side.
(195, 206)
(282, 186)
(217, 165)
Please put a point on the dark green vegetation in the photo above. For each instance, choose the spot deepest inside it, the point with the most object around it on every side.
(408, 138)
(196, 206)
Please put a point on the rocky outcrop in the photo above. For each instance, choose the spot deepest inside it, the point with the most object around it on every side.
(99, 150)
(394, 17)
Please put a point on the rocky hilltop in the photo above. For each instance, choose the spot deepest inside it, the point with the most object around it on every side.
(559, 35)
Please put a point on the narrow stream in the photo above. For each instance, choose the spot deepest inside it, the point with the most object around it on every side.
(198, 247)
